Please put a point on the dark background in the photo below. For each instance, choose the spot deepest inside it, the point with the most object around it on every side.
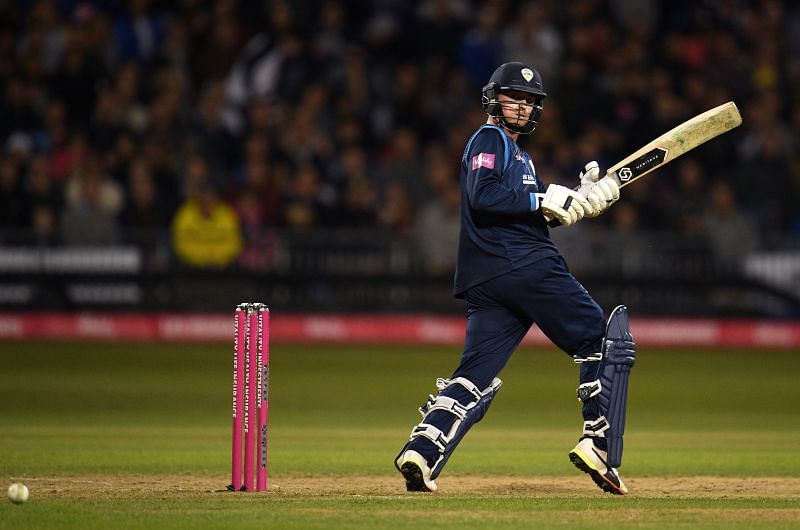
(326, 136)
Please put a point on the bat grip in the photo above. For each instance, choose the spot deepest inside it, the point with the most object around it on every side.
(613, 175)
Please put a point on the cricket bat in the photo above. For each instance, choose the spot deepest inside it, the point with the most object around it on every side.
(674, 143)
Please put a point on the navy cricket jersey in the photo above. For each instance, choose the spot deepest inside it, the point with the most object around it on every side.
(502, 228)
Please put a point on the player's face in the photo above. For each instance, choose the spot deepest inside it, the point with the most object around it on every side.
(517, 106)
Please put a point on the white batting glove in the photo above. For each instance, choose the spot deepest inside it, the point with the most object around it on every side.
(602, 195)
(590, 174)
(588, 178)
(566, 205)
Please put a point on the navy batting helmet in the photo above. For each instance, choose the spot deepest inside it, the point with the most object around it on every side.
(517, 77)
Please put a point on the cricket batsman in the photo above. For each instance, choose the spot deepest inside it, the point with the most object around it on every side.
(511, 276)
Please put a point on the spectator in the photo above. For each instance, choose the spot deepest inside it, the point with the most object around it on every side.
(68, 156)
(330, 41)
(260, 245)
(532, 39)
(17, 112)
(218, 52)
(303, 204)
(260, 191)
(145, 215)
(75, 82)
(480, 46)
(106, 122)
(402, 163)
(775, 191)
(42, 191)
(128, 92)
(208, 130)
(13, 201)
(688, 203)
(206, 233)
(140, 32)
(441, 23)
(396, 210)
(53, 132)
(729, 231)
(46, 36)
(360, 204)
(44, 226)
(143, 209)
(91, 177)
(437, 230)
(89, 216)
(627, 247)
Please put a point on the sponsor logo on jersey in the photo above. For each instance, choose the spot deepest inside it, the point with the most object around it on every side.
(530, 178)
(483, 160)
(518, 156)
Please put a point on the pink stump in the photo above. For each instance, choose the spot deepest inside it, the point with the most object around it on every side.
(263, 393)
(238, 403)
(250, 398)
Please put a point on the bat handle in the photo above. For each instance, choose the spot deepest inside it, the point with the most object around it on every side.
(616, 178)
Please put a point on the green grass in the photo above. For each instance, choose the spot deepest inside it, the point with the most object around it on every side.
(147, 428)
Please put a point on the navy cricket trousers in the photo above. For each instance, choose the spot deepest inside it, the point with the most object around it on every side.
(501, 311)
(499, 314)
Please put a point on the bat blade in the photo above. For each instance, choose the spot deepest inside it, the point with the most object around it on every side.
(674, 143)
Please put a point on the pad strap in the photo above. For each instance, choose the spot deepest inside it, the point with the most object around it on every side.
(589, 390)
(588, 358)
(442, 383)
(431, 433)
(597, 427)
(446, 404)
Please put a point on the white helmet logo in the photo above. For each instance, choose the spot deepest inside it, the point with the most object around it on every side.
(527, 73)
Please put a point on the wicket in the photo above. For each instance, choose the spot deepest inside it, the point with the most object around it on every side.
(250, 396)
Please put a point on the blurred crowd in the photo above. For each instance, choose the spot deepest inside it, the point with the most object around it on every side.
(219, 122)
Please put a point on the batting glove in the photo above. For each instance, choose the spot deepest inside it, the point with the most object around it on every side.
(565, 205)
(590, 174)
(602, 195)
(588, 178)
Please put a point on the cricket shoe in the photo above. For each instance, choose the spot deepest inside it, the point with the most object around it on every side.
(591, 460)
(416, 472)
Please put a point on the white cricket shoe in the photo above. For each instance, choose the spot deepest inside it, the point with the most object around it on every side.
(416, 472)
(592, 460)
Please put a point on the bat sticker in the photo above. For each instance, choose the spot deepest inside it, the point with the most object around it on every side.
(647, 162)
